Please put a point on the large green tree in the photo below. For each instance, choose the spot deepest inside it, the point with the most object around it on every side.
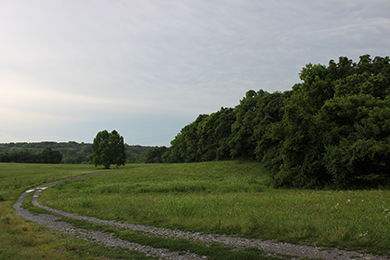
(108, 149)
(214, 132)
(268, 128)
(330, 130)
(242, 142)
(335, 127)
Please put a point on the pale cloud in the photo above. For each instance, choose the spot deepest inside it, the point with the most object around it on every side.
(144, 65)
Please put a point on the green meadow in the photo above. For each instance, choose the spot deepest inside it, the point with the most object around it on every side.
(231, 198)
(21, 239)
(220, 197)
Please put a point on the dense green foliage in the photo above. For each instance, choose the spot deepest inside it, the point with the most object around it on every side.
(72, 152)
(330, 130)
(108, 148)
(47, 155)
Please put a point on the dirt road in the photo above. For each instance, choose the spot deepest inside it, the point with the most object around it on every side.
(270, 248)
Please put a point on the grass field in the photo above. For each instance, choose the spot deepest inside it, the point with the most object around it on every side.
(219, 197)
(230, 198)
(20, 239)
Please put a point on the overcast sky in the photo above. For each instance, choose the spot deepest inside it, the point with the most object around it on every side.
(147, 68)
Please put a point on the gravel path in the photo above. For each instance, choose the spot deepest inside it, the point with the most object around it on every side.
(107, 239)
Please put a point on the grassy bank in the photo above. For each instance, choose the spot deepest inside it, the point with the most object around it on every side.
(21, 239)
(231, 198)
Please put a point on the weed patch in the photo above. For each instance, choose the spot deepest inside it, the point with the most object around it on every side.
(2, 197)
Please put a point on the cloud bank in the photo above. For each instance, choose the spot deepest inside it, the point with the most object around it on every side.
(69, 69)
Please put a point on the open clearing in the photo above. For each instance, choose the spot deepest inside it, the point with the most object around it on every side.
(225, 198)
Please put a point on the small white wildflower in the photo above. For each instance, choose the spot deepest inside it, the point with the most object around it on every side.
(348, 200)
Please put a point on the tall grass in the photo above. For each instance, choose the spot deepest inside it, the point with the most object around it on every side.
(21, 239)
(232, 198)
(15, 178)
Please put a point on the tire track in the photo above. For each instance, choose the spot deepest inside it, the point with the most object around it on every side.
(107, 239)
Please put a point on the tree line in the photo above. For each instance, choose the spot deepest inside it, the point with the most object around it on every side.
(72, 152)
(47, 155)
(330, 130)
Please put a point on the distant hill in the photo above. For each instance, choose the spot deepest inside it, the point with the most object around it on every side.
(73, 152)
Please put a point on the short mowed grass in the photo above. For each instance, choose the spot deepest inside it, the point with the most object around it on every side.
(22, 239)
(232, 198)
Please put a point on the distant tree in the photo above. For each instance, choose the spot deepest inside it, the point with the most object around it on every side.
(108, 148)
(173, 155)
(22, 156)
(72, 152)
(155, 155)
(268, 127)
(214, 132)
(50, 156)
(241, 141)
(4, 157)
(185, 144)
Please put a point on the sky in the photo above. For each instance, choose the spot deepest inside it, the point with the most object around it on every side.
(147, 68)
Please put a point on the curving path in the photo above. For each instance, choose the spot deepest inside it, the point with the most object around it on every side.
(108, 239)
